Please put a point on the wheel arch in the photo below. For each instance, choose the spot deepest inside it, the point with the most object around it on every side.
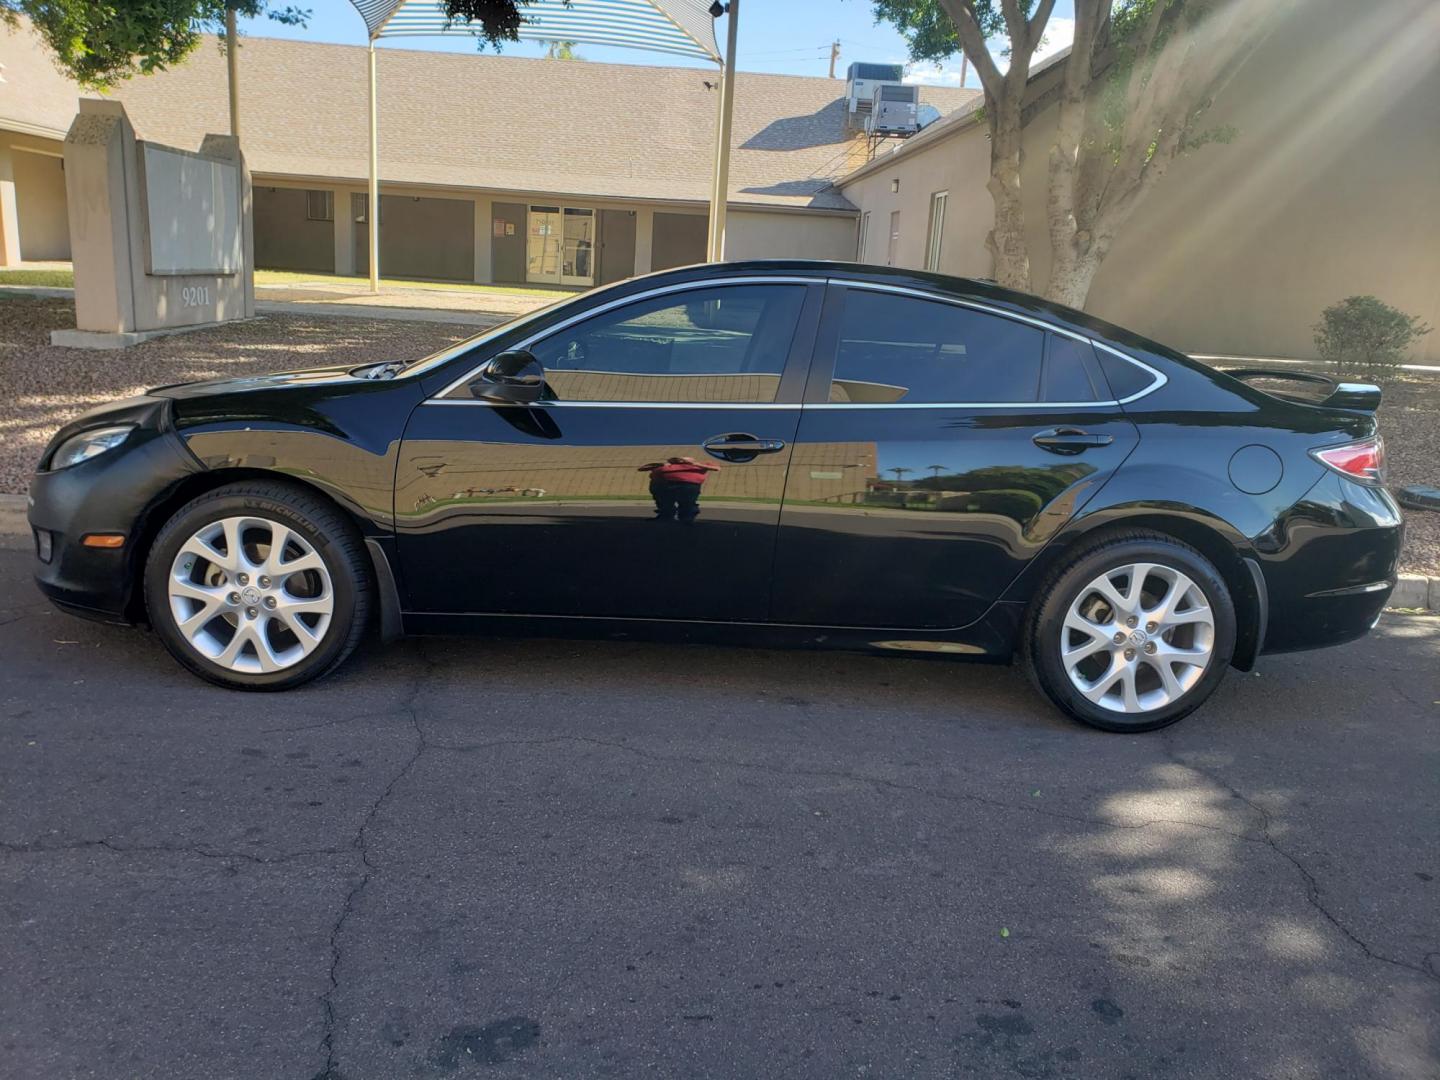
(1219, 542)
(164, 507)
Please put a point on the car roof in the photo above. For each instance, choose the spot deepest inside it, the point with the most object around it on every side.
(979, 289)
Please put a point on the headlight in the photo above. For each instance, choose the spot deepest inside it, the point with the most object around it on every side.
(88, 444)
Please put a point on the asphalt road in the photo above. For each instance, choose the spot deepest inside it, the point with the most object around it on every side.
(504, 858)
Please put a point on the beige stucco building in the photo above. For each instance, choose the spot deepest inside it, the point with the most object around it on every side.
(499, 169)
(492, 168)
(1330, 188)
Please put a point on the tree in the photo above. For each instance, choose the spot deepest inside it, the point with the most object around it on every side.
(1132, 99)
(561, 50)
(100, 43)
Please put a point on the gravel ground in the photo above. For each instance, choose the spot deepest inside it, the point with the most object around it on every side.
(45, 386)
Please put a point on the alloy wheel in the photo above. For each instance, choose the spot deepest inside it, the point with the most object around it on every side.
(1137, 638)
(251, 595)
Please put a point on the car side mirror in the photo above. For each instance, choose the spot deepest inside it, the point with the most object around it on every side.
(512, 378)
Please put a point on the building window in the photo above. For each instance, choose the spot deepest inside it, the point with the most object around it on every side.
(864, 234)
(936, 237)
(360, 206)
(319, 206)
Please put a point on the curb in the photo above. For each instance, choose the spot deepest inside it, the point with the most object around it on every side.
(1412, 591)
(12, 519)
(1416, 591)
(482, 320)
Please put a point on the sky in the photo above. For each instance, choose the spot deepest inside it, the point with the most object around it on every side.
(784, 37)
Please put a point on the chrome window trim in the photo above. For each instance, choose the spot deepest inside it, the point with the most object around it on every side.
(622, 404)
(665, 290)
(1158, 378)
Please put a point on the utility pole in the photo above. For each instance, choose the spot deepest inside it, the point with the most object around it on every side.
(834, 55)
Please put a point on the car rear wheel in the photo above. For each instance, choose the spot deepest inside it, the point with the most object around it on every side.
(258, 586)
(1132, 634)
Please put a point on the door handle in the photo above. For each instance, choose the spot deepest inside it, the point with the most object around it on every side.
(1068, 440)
(744, 444)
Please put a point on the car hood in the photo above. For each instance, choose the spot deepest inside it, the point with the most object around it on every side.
(278, 381)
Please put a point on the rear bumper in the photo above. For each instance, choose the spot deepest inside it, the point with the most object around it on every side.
(1330, 564)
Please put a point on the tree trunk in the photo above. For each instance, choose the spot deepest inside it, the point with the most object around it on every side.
(1007, 239)
(1071, 277)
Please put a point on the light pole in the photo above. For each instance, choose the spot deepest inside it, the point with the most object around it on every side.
(720, 188)
(232, 68)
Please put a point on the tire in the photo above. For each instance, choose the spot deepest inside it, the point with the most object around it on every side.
(1100, 692)
(298, 615)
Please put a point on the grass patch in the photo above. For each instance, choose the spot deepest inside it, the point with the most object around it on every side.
(300, 277)
(65, 279)
(55, 279)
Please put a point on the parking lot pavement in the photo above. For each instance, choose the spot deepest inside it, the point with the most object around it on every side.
(544, 858)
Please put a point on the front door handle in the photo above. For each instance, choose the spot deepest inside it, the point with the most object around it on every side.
(740, 447)
(746, 444)
(1068, 440)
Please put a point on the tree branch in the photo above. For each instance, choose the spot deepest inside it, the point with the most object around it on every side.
(972, 40)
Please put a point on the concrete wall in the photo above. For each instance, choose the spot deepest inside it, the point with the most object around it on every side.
(40, 204)
(1330, 189)
(770, 234)
(284, 237)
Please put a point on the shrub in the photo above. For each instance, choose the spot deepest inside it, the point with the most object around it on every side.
(1363, 334)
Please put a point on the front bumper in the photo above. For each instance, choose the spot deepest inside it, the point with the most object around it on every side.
(1330, 564)
(116, 492)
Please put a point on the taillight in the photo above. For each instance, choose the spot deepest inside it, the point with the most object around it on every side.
(1363, 460)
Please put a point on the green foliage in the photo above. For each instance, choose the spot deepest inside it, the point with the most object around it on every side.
(492, 21)
(100, 43)
(1364, 334)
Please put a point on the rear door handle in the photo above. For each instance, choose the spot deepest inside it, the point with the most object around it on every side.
(1068, 440)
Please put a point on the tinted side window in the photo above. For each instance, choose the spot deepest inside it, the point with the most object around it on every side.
(1071, 372)
(726, 343)
(1124, 377)
(903, 349)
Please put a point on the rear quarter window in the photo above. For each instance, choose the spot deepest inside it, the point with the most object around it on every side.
(1125, 379)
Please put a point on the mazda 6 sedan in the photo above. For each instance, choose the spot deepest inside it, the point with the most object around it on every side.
(794, 453)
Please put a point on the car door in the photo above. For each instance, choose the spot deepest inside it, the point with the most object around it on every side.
(940, 447)
(647, 483)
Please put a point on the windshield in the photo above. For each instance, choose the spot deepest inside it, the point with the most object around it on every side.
(434, 360)
(429, 363)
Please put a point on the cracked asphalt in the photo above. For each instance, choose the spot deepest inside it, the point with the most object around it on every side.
(540, 858)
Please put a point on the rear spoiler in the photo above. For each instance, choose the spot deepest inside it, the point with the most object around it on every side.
(1319, 390)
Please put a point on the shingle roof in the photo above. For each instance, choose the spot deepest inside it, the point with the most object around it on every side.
(490, 122)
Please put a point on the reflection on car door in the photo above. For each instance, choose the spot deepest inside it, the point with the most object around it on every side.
(940, 447)
(646, 484)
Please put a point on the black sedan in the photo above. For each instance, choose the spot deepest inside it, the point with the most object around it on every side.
(778, 452)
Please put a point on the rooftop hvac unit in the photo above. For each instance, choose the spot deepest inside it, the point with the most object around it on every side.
(860, 82)
(894, 110)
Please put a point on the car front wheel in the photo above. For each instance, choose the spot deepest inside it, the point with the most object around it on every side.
(258, 586)
(1132, 634)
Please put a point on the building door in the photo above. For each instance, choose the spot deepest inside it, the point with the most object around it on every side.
(617, 245)
(560, 245)
(892, 253)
